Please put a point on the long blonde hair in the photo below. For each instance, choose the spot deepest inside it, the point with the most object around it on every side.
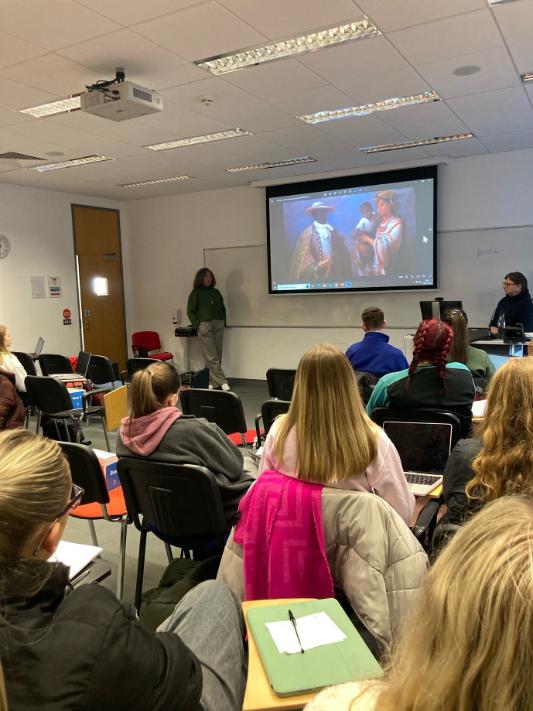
(335, 437)
(34, 487)
(150, 387)
(3, 347)
(505, 463)
(467, 645)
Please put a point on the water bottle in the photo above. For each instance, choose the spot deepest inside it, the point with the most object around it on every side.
(501, 324)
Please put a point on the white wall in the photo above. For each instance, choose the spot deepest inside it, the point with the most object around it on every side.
(38, 224)
(167, 237)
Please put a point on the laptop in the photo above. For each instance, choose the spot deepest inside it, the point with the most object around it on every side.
(38, 349)
(424, 448)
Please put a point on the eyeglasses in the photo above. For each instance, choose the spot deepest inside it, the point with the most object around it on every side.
(76, 495)
(509, 283)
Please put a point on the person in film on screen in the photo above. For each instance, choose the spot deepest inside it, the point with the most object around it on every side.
(320, 251)
(389, 234)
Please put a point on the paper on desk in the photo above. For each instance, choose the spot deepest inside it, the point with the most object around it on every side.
(75, 556)
(478, 408)
(314, 630)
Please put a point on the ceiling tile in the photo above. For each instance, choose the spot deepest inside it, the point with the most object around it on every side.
(307, 140)
(19, 96)
(129, 12)
(497, 72)
(52, 24)
(516, 21)
(10, 117)
(312, 100)
(269, 80)
(182, 122)
(475, 31)
(362, 131)
(401, 156)
(424, 120)
(14, 50)
(200, 32)
(457, 149)
(494, 111)
(52, 73)
(396, 14)
(400, 82)
(509, 141)
(279, 18)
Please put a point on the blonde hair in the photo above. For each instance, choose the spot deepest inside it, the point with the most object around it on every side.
(505, 463)
(150, 387)
(3, 348)
(34, 487)
(335, 437)
(467, 645)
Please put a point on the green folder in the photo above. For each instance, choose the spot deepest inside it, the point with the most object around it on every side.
(289, 674)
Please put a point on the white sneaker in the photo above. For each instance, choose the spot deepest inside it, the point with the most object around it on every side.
(225, 386)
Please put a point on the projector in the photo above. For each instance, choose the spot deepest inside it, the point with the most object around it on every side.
(120, 101)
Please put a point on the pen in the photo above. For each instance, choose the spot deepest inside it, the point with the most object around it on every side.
(293, 621)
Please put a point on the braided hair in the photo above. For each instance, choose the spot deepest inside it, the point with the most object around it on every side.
(432, 343)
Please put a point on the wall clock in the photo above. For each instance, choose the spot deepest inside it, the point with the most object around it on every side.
(5, 246)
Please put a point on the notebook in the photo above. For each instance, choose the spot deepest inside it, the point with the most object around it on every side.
(75, 556)
(424, 448)
(290, 674)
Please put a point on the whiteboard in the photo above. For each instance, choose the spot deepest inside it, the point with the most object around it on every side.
(472, 265)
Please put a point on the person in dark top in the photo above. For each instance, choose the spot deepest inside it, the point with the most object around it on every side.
(516, 306)
(63, 648)
(429, 382)
(500, 462)
(374, 354)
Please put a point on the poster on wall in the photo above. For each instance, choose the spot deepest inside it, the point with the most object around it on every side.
(38, 290)
(54, 287)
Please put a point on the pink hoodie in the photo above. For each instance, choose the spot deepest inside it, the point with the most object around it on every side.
(146, 433)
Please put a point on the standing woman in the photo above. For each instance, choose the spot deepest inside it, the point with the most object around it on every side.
(207, 314)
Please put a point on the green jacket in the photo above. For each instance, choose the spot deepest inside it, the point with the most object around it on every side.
(205, 304)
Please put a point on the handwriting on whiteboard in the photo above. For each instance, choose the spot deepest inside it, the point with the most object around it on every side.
(487, 252)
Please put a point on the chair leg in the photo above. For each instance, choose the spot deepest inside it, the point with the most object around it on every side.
(105, 434)
(57, 432)
(122, 559)
(169, 553)
(140, 570)
(243, 439)
(93, 532)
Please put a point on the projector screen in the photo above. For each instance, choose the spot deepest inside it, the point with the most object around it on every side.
(357, 233)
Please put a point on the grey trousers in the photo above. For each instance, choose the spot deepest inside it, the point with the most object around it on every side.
(211, 336)
(209, 620)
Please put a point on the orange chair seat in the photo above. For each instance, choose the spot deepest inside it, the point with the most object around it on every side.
(249, 437)
(115, 507)
(164, 355)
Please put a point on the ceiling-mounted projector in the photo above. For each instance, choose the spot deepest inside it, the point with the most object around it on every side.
(120, 100)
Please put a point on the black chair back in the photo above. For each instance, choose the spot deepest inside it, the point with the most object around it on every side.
(270, 409)
(224, 408)
(48, 395)
(82, 363)
(382, 414)
(177, 501)
(101, 370)
(366, 382)
(280, 383)
(26, 362)
(86, 472)
(135, 364)
(52, 363)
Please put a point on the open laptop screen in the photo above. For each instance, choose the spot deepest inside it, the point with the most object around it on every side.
(422, 446)
(39, 347)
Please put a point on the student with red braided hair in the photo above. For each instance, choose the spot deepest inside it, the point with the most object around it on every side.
(429, 382)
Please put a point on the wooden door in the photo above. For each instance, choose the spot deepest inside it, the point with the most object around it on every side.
(99, 256)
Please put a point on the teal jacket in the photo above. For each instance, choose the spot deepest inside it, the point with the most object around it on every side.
(205, 304)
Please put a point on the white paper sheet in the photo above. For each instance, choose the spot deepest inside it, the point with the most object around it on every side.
(314, 630)
(478, 408)
(75, 556)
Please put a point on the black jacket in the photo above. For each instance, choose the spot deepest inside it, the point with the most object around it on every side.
(457, 474)
(85, 650)
(516, 309)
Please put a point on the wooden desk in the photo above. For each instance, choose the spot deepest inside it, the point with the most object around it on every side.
(259, 695)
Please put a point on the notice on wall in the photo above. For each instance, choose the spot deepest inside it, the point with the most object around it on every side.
(54, 287)
(38, 290)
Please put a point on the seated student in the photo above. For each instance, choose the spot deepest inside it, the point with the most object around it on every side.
(476, 360)
(429, 383)
(81, 648)
(467, 644)
(501, 461)
(9, 362)
(374, 354)
(327, 438)
(156, 429)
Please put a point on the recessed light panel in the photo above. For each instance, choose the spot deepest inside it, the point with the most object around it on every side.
(155, 181)
(193, 140)
(86, 160)
(366, 109)
(277, 164)
(56, 107)
(414, 144)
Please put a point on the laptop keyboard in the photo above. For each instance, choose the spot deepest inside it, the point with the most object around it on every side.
(423, 479)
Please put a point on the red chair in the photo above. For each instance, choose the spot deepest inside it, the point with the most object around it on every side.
(142, 342)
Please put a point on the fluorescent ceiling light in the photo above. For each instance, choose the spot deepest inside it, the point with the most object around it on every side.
(56, 107)
(69, 163)
(499, 2)
(526, 76)
(154, 181)
(413, 144)
(193, 140)
(357, 29)
(366, 109)
(276, 164)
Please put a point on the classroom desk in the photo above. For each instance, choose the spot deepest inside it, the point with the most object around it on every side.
(259, 695)
(495, 346)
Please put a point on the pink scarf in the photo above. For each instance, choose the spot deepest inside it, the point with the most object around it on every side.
(281, 532)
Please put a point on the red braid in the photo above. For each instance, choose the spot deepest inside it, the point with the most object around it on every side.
(432, 342)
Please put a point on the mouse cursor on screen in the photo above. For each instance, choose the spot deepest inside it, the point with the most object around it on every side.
(425, 239)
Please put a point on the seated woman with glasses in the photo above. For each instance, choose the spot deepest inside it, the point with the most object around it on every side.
(64, 648)
(476, 360)
(515, 307)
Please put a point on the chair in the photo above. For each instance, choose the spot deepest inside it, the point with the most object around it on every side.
(177, 502)
(101, 372)
(270, 409)
(50, 397)
(280, 383)
(366, 382)
(53, 363)
(224, 408)
(26, 361)
(142, 342)
(97, 502)
(133, 365)
(443, 533)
